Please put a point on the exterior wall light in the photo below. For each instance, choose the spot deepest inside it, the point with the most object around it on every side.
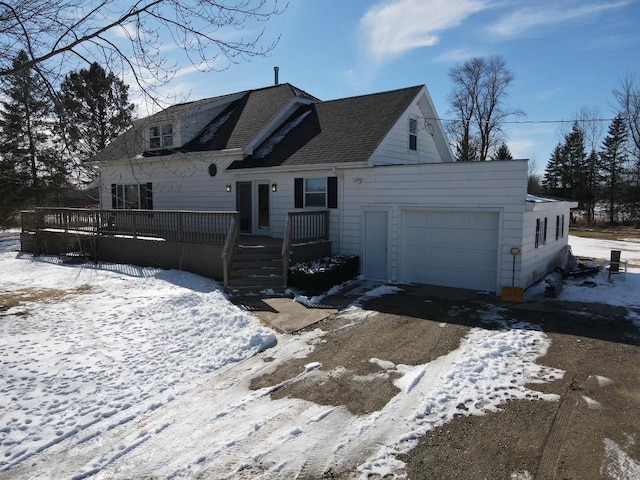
(274, 187)
(228, 187)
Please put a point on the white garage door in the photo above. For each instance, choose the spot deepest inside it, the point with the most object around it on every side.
(452, 249)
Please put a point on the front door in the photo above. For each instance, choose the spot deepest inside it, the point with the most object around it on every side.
(375, 244)
(244, 204)
(264, 209)
(253, 202)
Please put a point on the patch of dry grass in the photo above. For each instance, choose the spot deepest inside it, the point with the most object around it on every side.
(612, 233)
(38, 295)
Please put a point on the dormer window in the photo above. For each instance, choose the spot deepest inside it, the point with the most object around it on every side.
(161, 136)
(413, 134)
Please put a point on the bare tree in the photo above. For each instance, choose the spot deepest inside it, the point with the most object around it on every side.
(627, 95)
(477, 99)
(129, 36)
(466, 80)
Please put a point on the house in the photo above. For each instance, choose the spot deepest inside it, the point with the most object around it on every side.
(379, 165)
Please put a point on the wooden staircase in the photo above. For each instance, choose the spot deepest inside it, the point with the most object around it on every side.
(256, 267)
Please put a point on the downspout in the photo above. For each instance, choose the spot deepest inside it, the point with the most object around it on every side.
(341, 176)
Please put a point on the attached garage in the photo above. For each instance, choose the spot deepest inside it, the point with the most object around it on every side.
(450, 248)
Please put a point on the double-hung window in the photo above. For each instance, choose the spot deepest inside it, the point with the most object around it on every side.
(161, 136)
(541, 232)
(319, 192)
(413, 134)
(559, 227)
(315, 192)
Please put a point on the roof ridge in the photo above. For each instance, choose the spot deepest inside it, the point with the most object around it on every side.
(373, 94)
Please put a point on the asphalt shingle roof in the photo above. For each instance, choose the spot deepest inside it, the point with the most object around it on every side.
(250, 115)
(337, 131)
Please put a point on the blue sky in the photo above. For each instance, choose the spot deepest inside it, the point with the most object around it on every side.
(565, 55)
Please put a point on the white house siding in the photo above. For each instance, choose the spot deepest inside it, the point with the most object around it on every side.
(183, 183)
(282, 201)
(498, 187)
(394, 150)
(180, 182)
(537, 262)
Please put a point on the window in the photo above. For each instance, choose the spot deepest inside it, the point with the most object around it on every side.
(562, 227)
(541, 232)
(315, 192)
(161, 136)
(413, 134)
(131, 196)
(557, 227)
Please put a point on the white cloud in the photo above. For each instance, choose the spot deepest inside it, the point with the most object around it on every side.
(393, 27)
(458, 55)
(526, 19)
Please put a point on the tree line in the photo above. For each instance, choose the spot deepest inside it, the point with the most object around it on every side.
(60, 101)
(46, 139)
(601, 171)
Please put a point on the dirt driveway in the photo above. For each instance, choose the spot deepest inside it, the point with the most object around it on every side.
(576, 437)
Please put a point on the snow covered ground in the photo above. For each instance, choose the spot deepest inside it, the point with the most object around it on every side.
(144, 372)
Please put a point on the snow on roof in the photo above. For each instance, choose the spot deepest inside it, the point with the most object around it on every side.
(536, 199)
(267, 147)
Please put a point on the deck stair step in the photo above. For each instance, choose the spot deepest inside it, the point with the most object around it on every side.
(256, 267)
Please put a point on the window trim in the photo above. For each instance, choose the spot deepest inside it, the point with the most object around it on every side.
(305, 193)
(413, 135)
(164, 140)
(119, 196)
(331, 193)
(541, 232)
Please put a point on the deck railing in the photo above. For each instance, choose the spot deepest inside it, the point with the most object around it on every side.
(303, 227)
(176, 226)
(229, 249)
(309, 227)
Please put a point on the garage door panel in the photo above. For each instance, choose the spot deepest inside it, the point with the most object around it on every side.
(456, 249)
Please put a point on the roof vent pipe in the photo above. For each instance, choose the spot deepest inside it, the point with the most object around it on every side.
(275, 72)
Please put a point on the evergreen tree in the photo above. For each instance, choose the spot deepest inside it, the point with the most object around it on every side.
(612, 162)
(31, 163)
(574, 170)
(95, 109)
(503, 153)
(552, 180)
(591, 178)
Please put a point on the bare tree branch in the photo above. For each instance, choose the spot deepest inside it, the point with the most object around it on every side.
(56, 33)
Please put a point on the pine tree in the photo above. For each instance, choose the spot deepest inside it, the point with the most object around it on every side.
(591, 177)
(574, 164)
(30, 157)
(503, 153)
(552, 180)
(612, 162)
(95, 109)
